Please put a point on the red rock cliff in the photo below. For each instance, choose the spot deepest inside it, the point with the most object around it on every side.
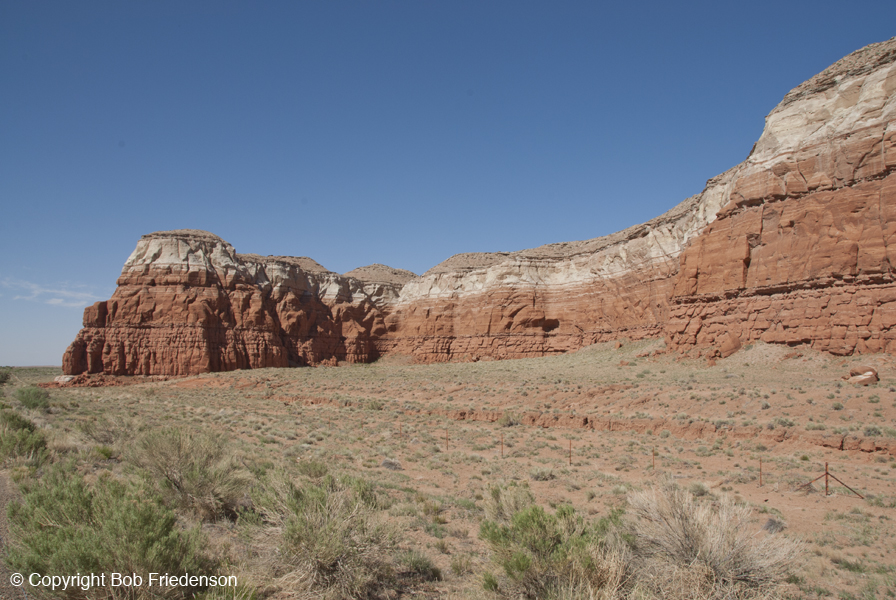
(794, 245)
(803, 252)
(187, 303)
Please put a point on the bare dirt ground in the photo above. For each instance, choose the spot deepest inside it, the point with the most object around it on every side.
(583, 428)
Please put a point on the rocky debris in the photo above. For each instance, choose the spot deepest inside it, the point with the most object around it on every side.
(793, 246)
(863, 370)
(863, 379)
(862, 375)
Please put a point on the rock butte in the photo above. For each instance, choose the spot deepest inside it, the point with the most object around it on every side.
(795, 245)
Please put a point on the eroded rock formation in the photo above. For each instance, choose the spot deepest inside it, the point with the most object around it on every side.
(794, 245)
(187, 303)
(803, 251)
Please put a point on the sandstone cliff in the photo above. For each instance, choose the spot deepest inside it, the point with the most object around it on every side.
(188, 303)
(803, 250)
(793, 245)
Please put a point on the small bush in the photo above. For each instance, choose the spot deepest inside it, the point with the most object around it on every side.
(4, 376)
(542, 475)
(461, 564)
(16, 422)
(33, 397)
(508, 420)
(20, 438)
(193, 471)
(872, 431)
(61, 525)
(674, 532)
(503, 502)
(490, 582)
(699, 489)
(419, 564)
(105, 452)
(312, 468)
(544, 556)
(332, 536)
(106, 432)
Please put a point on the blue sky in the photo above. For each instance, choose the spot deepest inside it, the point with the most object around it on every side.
(362, 132)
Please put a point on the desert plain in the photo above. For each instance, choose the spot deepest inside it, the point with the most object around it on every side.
(584, 429)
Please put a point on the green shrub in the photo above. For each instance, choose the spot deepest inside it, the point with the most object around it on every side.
(194, 471)
(503, 502)
(542, 474)
(20, 438)
(541, 554)
(107, 432)
(332, 535)
(33, 397)
(15, 421)
(508, 420)
(4, 376)
(490, 582)
(62, 525)
(312, 468)
(417, 563)
(461, 564)
(105, 452)
(873, 431)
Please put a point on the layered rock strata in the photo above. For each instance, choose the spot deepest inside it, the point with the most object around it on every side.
(793, 246)
(187, 303)
(803, 251)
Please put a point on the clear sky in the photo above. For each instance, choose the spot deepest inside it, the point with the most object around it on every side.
(361, 132)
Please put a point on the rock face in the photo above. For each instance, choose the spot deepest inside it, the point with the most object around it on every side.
(795, 245)
(803, 250)
(187, 303)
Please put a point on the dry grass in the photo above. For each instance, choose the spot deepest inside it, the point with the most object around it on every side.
(504, 501)
(683, 543)
(315, 423)
(333, 539)
(194, 470)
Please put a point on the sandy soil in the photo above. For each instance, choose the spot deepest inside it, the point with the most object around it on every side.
(583, 428)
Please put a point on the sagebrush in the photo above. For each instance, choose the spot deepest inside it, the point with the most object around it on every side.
(195, 471)
(334, 538)
(707, 544)
(63, 525)
(33, 397)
